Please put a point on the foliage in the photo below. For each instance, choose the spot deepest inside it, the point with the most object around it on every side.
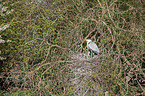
(42, 36)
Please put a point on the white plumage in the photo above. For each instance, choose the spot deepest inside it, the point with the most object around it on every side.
(92, 46)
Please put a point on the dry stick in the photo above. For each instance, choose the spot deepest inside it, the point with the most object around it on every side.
(141, 86)
(53, 65)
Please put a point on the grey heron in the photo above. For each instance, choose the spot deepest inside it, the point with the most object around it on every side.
(92, 46)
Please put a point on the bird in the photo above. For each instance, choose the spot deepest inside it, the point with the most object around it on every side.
(92, 46)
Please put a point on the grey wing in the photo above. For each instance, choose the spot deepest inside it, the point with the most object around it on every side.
(93, 47)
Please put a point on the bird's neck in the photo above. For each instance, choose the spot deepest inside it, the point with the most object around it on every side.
(88, 42)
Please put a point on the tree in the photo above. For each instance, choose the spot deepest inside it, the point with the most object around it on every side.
(47, 35)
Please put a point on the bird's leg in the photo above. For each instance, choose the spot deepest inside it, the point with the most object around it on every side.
(92, 53)
(88, 53)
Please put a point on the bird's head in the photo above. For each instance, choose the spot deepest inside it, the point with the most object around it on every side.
(88, 40)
